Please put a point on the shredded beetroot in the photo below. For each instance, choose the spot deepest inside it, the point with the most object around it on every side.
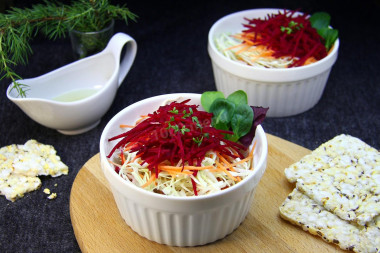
(287, 35)
(177, 133)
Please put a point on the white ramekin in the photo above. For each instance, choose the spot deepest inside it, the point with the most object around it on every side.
(286, 92)
(179, 221)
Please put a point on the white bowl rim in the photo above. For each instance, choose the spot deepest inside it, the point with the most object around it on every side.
(268, 74)
(261, 162)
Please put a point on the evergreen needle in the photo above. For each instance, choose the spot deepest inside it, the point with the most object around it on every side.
(18, 26)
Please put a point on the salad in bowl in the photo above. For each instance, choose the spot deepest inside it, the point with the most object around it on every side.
(280, 58)
(172, 160)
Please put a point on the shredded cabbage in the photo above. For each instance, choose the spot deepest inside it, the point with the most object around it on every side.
(229, 46)
(207, 180)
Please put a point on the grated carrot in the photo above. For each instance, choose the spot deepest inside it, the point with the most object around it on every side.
(142, 117)
(126, 126)
(180, 168)
(151, 179)
(122, 157)
(231, 167)
(137, 156)
(221, 167)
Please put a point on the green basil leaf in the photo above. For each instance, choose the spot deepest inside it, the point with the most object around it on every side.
(241, 121)
(320, 20)
(222, 110)
(238, 97)
(330, 35)
(208, 97)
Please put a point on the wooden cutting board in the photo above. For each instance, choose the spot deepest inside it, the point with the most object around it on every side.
(98, 227)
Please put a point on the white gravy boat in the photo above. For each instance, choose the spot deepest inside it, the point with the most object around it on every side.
(72, 99)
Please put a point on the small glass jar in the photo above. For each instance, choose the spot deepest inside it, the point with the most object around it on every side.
(88, 43)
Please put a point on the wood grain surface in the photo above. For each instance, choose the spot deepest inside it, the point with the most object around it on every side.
(98, 227)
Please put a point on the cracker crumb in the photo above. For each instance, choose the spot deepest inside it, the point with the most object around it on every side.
(52, 196)
(47, 190)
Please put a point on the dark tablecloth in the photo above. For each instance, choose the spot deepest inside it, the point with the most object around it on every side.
(172, 57)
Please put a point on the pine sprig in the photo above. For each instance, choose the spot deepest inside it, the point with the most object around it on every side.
(53, 20)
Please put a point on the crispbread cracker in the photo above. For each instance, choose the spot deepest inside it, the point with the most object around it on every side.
(21, 164)
(15, 186)
(343, 175)
(300, 210)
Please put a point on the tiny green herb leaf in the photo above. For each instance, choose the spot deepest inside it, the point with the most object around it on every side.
(184, 130)
(198, 140)
(187, 114)
(174, 110)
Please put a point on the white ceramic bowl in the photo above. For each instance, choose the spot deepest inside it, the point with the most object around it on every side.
(285, 91)
(179, 221)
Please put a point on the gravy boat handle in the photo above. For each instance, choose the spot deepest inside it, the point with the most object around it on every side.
(116, 45)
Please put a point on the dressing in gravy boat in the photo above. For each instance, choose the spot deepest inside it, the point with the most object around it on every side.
(73, 98)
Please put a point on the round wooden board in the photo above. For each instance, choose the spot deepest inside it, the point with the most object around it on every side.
(98, 226)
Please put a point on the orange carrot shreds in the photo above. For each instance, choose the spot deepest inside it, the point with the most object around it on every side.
(126, 126)
(251, 154)
(229, 165)
(151, 180)
(136, 157)
(142, 117)
(253, 149)
(310, 60)
(222, 168)
(234, 47)
(122, 157)
(243, 49)
(113, 163)
(224, 160)
(232, 165)
(174, 173)
(129, 146)
(185, 168)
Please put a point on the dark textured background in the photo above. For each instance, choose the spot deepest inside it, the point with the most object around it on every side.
(172, 57)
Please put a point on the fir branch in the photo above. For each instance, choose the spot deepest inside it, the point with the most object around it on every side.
(17, 26)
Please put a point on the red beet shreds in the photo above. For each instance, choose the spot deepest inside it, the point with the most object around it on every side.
(176, 133)
(287, 35)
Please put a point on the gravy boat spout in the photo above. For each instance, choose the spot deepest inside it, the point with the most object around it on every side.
(73, 99)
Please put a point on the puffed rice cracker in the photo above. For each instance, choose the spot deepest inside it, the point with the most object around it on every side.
(343, 175)
(300, 210)
(21, 164)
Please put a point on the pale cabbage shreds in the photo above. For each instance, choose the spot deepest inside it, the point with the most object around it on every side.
(21, 164)
(300, 210)
(227, 45)
(342, 175)
(180, 184)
